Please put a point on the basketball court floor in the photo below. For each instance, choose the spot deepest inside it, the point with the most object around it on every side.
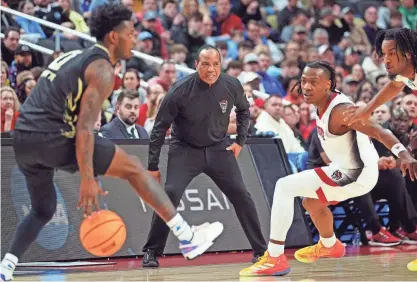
(359, 264)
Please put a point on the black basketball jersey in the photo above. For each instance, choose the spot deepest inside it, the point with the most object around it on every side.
(54, 103)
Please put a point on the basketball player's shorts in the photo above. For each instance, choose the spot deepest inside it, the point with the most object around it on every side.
(331, 184)
(39, 152)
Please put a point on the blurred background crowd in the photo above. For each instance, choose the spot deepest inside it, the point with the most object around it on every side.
(263, 43)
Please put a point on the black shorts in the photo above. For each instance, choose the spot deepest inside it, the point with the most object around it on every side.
(39, 151)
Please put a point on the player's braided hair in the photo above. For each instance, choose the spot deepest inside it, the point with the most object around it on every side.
(406, 42)
(325, 66)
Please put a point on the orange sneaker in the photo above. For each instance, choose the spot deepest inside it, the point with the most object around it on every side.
(268, 266)
(312, 253)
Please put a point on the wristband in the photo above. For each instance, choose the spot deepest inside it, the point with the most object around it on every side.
(397, 149)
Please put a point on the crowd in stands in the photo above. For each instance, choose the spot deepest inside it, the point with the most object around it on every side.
(263, 43)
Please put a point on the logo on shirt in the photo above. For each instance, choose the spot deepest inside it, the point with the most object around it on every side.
(223, 106)
(320, 132)
(337, 175)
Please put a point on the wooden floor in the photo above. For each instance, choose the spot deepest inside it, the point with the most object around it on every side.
(368, 264)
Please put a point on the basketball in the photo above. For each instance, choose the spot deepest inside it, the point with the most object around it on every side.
(103, 234)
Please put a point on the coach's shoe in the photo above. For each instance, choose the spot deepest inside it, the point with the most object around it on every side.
(7, 267)
(203, 237)
(384, 238)
(406, 238)
(312, 253)
(268, 266)
(412, 266)
(150, 259)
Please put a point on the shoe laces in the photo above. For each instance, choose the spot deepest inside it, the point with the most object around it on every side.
(262, 260)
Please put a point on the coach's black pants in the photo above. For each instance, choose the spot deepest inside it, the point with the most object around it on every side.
(184, 164)
(391, 186)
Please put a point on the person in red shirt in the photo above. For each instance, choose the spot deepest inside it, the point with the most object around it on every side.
(148, 109)
(224, 22)
(9, 108)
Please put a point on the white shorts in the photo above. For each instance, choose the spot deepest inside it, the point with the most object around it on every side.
(331, 184)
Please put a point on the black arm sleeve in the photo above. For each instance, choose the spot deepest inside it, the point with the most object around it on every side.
(242, 115)
(166, 115)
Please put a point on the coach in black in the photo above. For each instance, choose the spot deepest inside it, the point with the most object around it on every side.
(198, 107)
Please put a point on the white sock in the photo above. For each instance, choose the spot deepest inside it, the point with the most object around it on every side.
(8, 265)
(180, 228)
(328, 242)
(275, 250)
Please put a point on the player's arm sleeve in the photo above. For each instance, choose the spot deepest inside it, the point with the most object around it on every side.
(242, 115)
(167, 112)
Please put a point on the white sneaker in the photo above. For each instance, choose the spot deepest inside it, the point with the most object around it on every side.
(6, 271)
(204, 236)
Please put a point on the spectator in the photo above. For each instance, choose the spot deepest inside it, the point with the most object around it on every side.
(36, 72)
(4, 74)
(9, 108)
(32, 30)
(234, 68)
(131, 82)
(371, 29)
(167, 75)
(357, 34)
(129, 4)
(373, 66)
(192, 38)
(247, 10)
(291, 86)
(409, 12)
(22, 61)
(24, 89)
(300, 19)
(149, 24)
(150, 121)
(292, 119)
(271, 120)
(9, 44)
(380, 81)
(124, 126)
(381, 114)
(144, 44)
(286, 14)
(395, 20)
(78, 20)
(51, 13)
(409, 103)
(169, 13)
(384, 13)
(224, 21)
(178, 54)
(307, 122)
(328, 22)
(148, 109)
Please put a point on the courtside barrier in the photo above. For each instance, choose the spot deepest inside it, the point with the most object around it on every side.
(262, 162)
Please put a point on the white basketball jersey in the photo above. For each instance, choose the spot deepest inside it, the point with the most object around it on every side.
(350, 151)
(411, 84)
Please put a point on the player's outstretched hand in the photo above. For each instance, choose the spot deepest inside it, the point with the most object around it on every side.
(235, 148)
(354, 114)
(89, 190)
(407, 162)
(156, 175)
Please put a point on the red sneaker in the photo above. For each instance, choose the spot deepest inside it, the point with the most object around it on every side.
(384, 238)
(268, 266)
(312, 253)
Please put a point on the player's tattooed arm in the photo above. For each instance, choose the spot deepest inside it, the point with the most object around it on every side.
(100, 80)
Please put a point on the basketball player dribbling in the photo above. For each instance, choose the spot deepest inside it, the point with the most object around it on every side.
(55, 131)
(398, 48)
(353, 172)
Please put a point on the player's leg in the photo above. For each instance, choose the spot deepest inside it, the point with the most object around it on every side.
(305, 184)
(113, 161)
(39, 182)
(184, 164)
(223, 169)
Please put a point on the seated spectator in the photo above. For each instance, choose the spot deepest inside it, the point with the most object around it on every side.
(169, 13)
(167, 75)
(409, 103)
(9, 44)
(9, 108)
(234, 68)
(4, 74)
(224, 21)
(78, 20)
(357, 34)
(149, 24)
(247, 10)
(123, 126)
(291, 86)
(373, 66)
(24, 89)
(22, 61)
(32, 30)
(371, 28)
(307, 123)
(178, 53)
(149, 108)
(150, 121)
(51, 13)
(144, 44)
(409, 12)
(130, 81)
(271, 120)
(292, 119)
(381, 114)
